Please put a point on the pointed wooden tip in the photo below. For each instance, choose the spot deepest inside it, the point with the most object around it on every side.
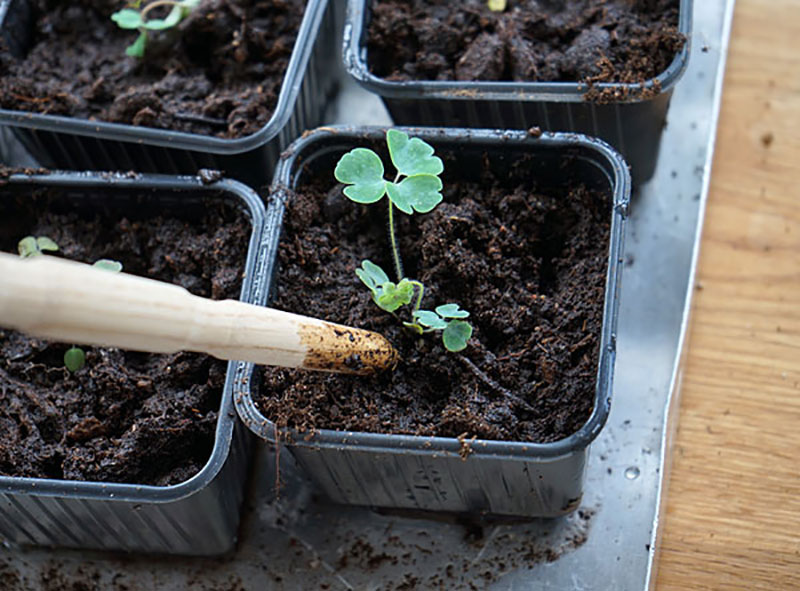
(336, 348)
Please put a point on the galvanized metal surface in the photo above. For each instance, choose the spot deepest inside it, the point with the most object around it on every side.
(300, 542)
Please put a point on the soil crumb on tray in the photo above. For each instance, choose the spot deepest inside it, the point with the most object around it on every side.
(531, 41)
(218, 72)
(125, 416)
(528, 264)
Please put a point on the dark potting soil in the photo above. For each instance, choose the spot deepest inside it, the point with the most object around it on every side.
(625, 41)
(126, 416)
(218, 73)
(529, 264)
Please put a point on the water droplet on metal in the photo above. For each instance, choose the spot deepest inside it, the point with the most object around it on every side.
(632, 473)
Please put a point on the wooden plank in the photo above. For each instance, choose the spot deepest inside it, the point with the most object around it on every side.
(733, 514)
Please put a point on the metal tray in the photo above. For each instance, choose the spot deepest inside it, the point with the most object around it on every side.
(300, 542)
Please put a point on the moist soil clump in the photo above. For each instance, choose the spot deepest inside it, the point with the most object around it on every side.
(218, 72)
(125, 416)
(627, 41)
(528, 263)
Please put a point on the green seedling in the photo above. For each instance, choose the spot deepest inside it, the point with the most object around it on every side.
(32, 246)
(496, 5)
(108, 265)
(136, 17)
(386, 294)
(390, 296)
(74, 359)
(447, 318)
(416, 188)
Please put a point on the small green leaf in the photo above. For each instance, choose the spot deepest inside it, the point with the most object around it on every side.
(27, 247)
(159, 24)
(390, 296)
(412, 156)
(406, 288)
(371, 274)
(127, 18)
(45, 243)
(367, 280)
(31, 246)
(108, 265)
(451, 311)
(419, 192)
(74, 359)
(366, 193)
(430, 319)
(387, 302)
(496, 5)
(136, 49)
(363, 169)
(456, 335)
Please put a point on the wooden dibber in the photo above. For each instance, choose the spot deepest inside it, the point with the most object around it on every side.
(75, 303)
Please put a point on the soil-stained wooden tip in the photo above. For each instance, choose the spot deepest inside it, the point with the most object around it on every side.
(337, 348)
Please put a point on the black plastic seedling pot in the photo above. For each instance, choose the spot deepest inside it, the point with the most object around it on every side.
(633, 126)
(78, 144)
(199, 516)
(429, 473)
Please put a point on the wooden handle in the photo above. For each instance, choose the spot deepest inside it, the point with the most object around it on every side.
(75, 303)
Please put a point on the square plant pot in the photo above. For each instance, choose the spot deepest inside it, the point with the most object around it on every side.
(194, 509)
(630, 117)
(450, 473)
(82, 144)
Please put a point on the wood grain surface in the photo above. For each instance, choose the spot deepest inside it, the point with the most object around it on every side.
(733, 511)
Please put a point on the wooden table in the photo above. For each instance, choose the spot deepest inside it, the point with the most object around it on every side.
(733, 514)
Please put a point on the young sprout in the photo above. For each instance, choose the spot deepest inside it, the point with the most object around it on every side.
(108, 265)
(386, 294)
(447, 318)
(416, 188)
(74, 359)
(32, 246)
(134, 16)
(496, 5)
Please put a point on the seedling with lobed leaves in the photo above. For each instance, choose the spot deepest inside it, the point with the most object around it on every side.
(135, 17)
(415, 188)
(32, 246)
